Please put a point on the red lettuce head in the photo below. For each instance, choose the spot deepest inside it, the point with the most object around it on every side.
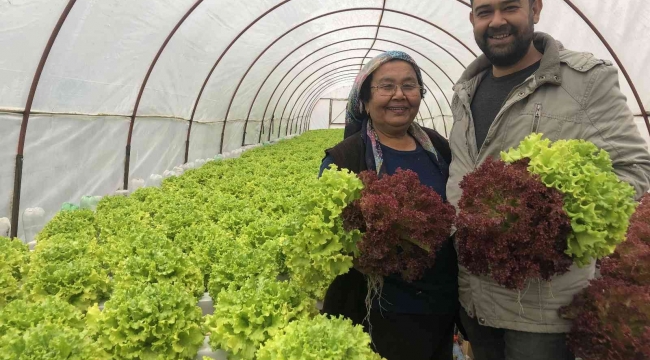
(611, 321)
(631, 260)
(394, 213)
(511, 226)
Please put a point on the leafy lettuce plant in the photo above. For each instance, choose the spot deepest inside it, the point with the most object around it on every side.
(403, 222)
(597, 202)
(68, 266)
(246, 317)
(319, 338)
(157, 259)
(610, 321)
(511, 226)
(320, 249)
(149, 321)
(81, 222)
(50, 329)
(631, 260)
(237, 262)
(14, 265)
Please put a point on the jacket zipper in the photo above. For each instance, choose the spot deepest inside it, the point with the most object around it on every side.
(538, 114)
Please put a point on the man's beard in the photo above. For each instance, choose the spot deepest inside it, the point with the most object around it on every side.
(507, 55)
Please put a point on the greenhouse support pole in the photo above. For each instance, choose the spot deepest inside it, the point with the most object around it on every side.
(18, 176)
(330, 121)
(127, 155)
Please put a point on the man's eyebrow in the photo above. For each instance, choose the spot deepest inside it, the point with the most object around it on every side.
(489, 6)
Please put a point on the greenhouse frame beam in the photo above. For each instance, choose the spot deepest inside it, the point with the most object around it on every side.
(319, 36)
(322, 79)
(297, 99)
(326, 86)
(315, 102)
(324, 83)
(328, 72)
(127, 157)
(323, 74)
(279, 83)
(381, 17)
(315, 71)
(18, 175)
(299, 25)
(207, 78)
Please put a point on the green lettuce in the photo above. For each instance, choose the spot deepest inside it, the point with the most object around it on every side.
(149, 321)
(14, 265)
(247, 316)
(319, 338)
(598, 203)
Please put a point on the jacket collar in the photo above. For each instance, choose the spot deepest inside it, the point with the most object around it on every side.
(548, 72)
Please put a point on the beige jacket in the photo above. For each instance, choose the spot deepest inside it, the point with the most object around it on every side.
(572, 96)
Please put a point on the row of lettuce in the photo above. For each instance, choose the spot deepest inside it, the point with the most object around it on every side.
(261, 234)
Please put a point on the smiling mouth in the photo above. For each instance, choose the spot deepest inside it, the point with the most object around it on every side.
(499, 36)
(397, 108)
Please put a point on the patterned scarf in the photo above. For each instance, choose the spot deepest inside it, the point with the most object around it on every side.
(356, 117)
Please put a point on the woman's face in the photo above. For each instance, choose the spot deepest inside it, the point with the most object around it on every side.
(399, 110)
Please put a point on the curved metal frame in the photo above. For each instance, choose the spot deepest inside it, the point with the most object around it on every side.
(306, 22)
(312, 106)
(127, 158)
(334, 62)
(324, 83)
(18, 175)
(317, 84)
(381, 17)
(424, 71)
(207, 78)
(325, 86)
(329, 71)
(319, 36)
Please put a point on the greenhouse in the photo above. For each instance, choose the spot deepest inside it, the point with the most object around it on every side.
(165, 155)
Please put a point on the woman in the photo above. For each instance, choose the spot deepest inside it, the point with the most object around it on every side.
(416, 320)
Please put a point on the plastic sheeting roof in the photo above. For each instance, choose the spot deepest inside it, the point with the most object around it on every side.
(215, 75)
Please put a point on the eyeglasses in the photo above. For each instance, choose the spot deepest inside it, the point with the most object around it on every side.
(391, 89)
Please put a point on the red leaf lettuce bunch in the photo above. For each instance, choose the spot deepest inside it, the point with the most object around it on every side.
(395, 212)
(611, 321)
(611, 317)
(511, 226)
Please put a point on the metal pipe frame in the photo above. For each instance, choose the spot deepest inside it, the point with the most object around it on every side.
(306, 22)
(127, 158)
(381, 17)
(338, 42)
(18, 175)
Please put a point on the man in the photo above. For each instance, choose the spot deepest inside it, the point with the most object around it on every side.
(527, 82)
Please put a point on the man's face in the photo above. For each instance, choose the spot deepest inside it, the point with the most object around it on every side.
(503, 29)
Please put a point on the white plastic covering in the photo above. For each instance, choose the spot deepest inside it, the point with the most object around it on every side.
(300, 52)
